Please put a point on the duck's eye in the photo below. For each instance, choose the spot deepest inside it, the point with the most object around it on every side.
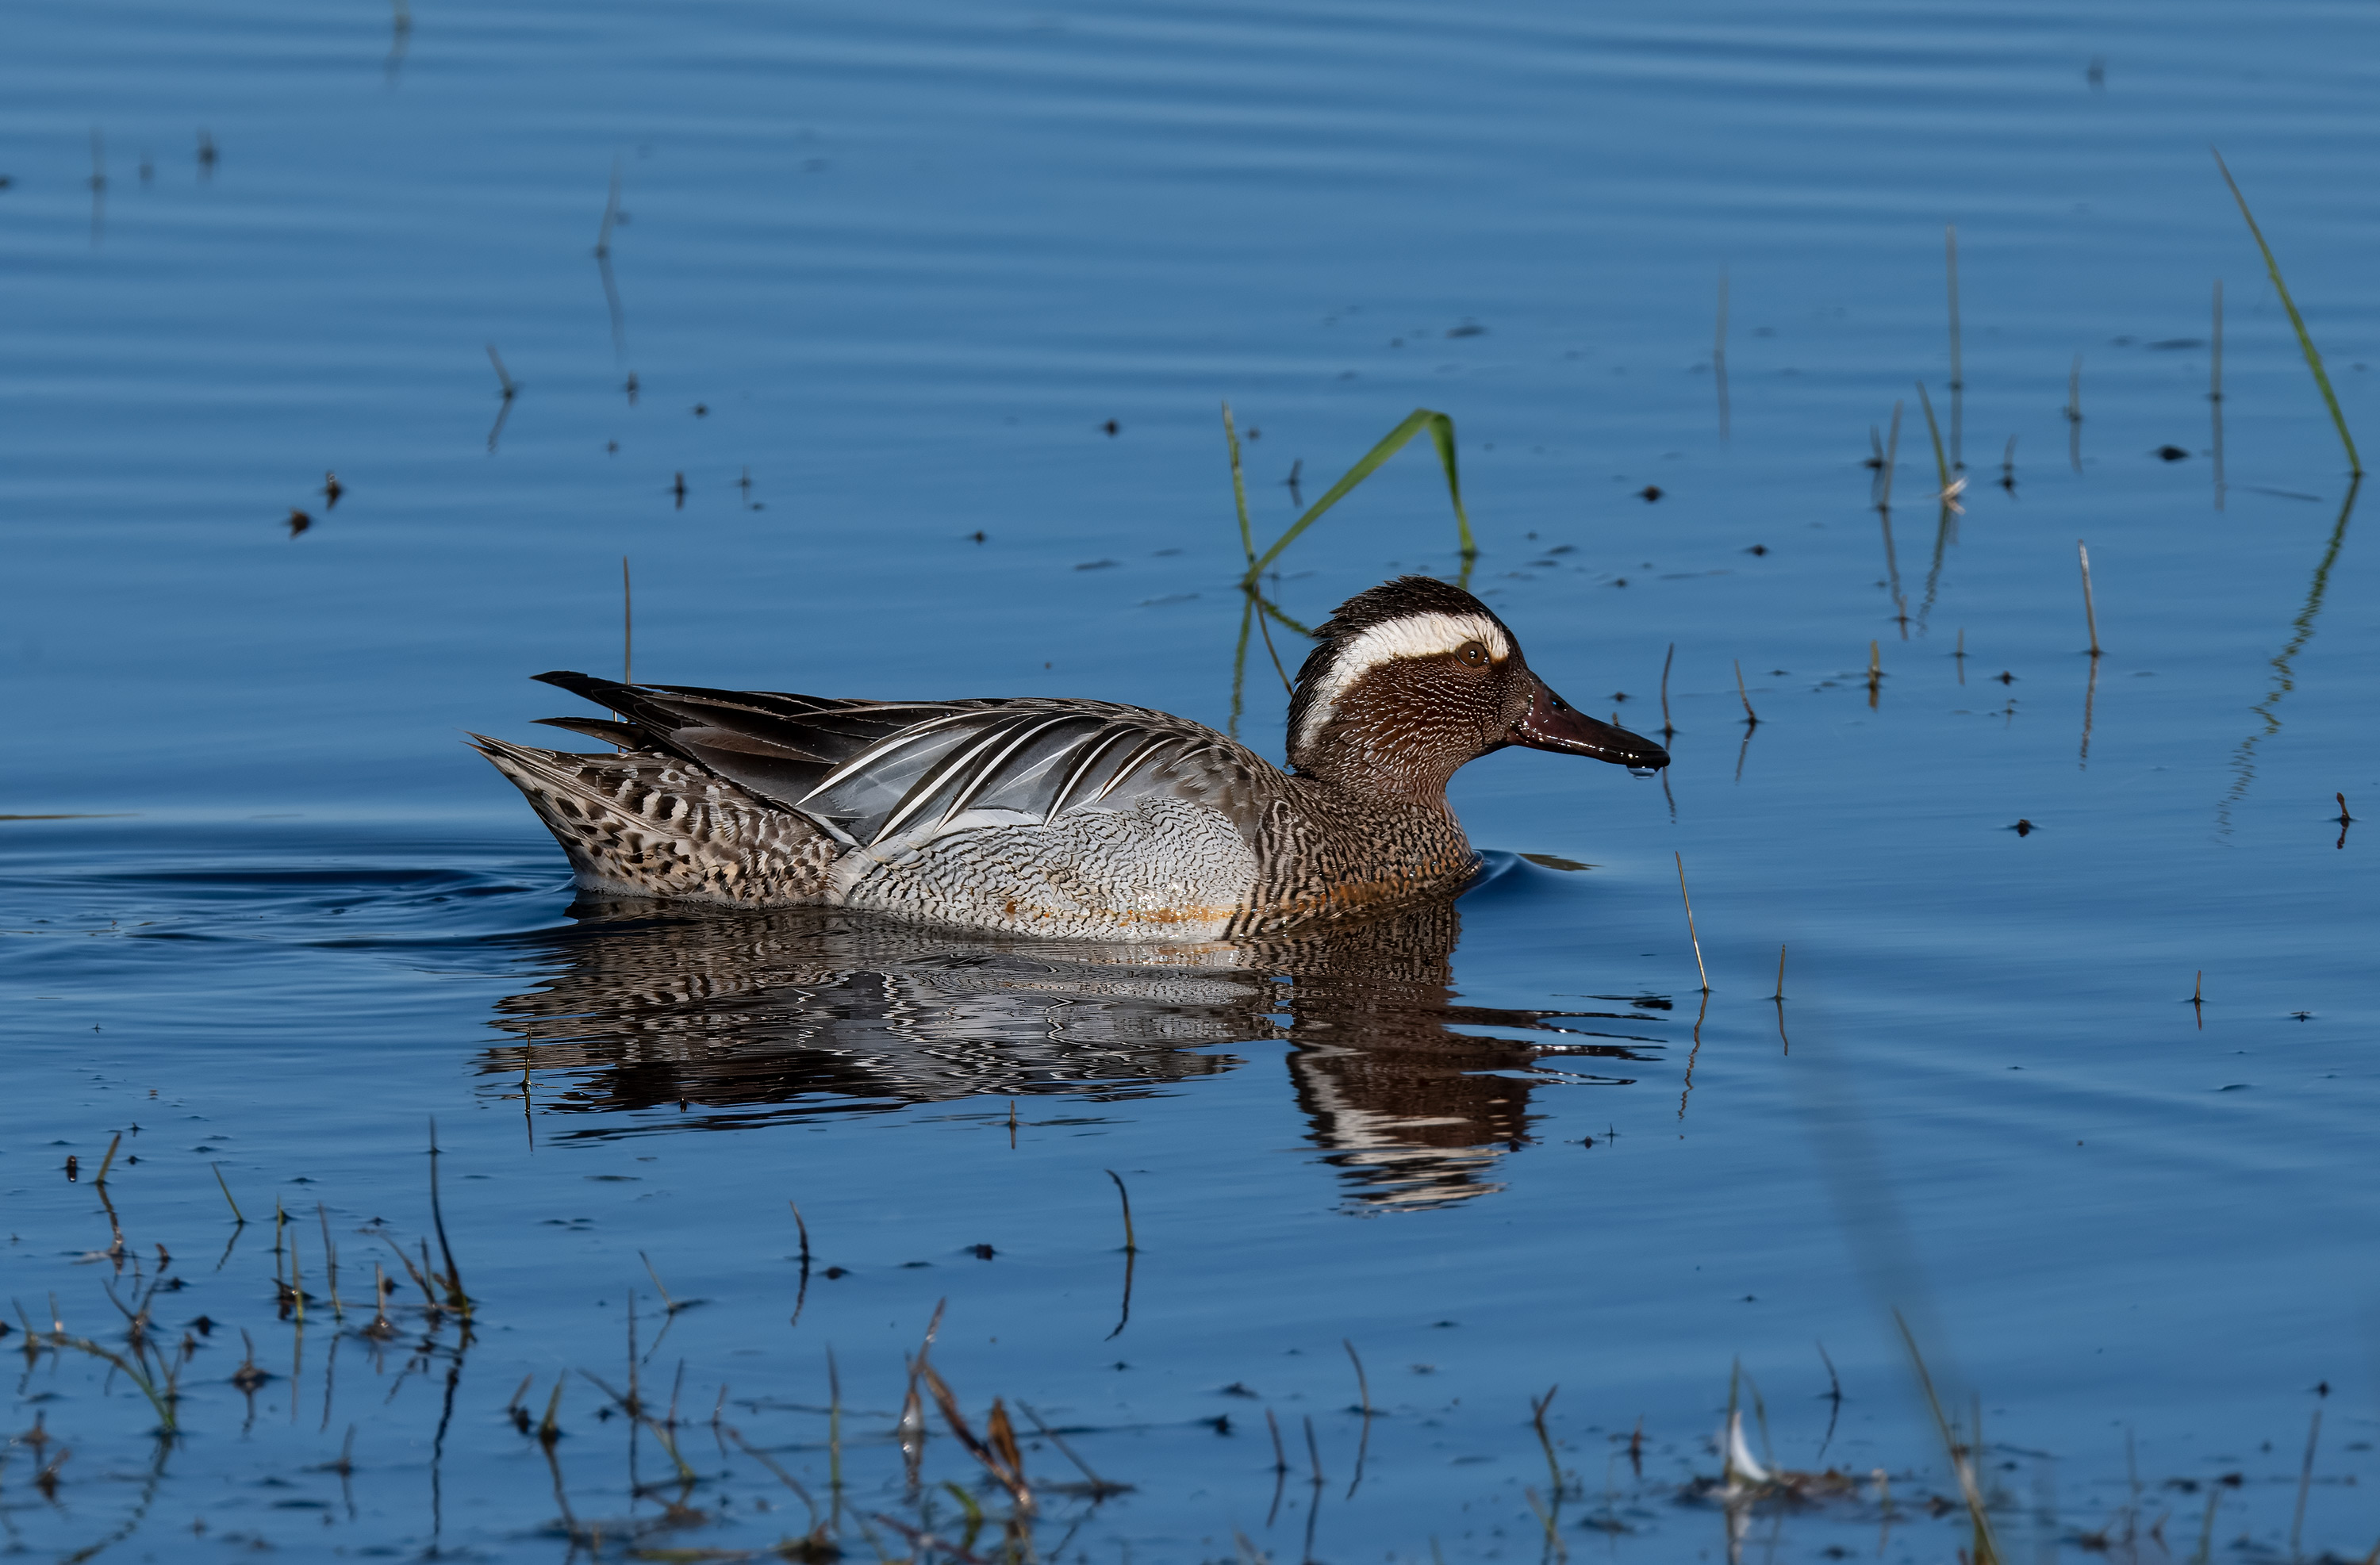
(1471, 654)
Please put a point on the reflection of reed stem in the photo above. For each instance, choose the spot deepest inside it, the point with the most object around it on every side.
(2215, 392)
(1719, 354)
(1946, 532)
(1692, 1054)
(2244, 758)
(2090, 694)
(2074, 413)
(1240, 667)
(1266, 630)
(1892, 457)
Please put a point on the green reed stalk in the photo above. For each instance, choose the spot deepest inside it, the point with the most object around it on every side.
(2305, 340)
(161, 1399)
(1441, 434)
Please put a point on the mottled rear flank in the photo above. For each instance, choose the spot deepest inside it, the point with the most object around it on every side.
(646, 825)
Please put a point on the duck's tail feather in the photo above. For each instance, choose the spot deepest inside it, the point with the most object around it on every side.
(626, 735)
(645, 824)
(777, 745)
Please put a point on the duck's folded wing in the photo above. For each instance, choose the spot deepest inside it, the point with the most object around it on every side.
(881, 773)
(779, 745)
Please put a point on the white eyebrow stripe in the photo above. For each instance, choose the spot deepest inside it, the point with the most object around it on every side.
(1408, 636)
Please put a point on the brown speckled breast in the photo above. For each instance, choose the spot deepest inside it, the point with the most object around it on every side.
(1327, 857)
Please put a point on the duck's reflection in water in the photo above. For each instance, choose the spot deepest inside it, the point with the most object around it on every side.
(739, 1017)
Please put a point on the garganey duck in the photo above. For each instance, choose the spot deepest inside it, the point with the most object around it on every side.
(1074, 818)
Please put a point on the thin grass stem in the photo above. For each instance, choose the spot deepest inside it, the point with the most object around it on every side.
(1130, 1247)
(2090, 614)
(456, 1297)
(1934, 432)
(227, 1193)
(1958, 376)
(2297, 322)
(1537, 1406)
(1691, 935)
(2305, 1482)
(1987, 1546)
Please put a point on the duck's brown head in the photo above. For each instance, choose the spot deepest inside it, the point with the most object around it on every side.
(1414, 678)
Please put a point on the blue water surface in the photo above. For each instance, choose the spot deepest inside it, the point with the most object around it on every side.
(930, 311)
